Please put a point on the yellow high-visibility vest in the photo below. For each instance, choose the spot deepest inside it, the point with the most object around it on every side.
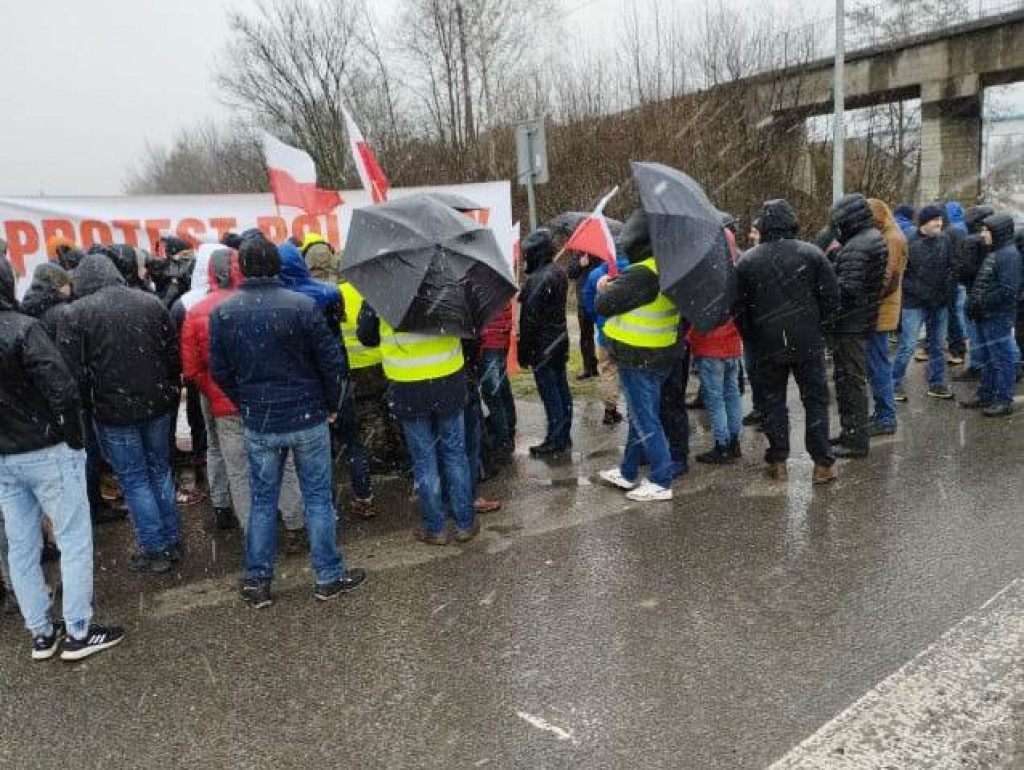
(359, 356)
(654, 325)
(414, 357)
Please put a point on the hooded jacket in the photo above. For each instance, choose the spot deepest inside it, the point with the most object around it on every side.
(39, 403)
(928, 282)
(543, 334)
(44, 299)
(200, 283)
(860, 264)
(271, 351)
(996, 290)
(121, 347)
(225, 276)
(320, 258)
(786, 291)
(896, 265)
(904, 222)
(295, 276)
(973, 249)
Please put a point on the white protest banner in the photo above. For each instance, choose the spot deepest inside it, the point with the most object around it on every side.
(28, 224)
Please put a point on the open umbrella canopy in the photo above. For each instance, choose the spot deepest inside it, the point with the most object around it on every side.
(567, 222)
(694, 265)
(455, 201)
(425, 267)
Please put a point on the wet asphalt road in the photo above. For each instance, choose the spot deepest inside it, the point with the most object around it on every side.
(717, 631)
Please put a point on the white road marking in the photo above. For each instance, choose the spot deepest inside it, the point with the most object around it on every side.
(952, 706)
(542, 724)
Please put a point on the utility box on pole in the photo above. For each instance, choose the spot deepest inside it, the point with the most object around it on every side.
(531, 161)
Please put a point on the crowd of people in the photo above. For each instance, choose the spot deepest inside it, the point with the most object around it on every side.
(286, 369)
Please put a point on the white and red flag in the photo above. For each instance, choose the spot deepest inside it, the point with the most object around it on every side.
(370, 174)
(293, 179)
(593, 237)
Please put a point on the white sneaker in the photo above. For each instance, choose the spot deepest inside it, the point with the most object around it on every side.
(648, 491)
(616, 479)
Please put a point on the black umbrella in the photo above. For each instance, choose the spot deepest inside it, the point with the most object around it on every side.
(455, 201)
(567, 222)
(424, 267)
(694, 266)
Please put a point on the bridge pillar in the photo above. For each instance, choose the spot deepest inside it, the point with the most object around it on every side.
(951, 140)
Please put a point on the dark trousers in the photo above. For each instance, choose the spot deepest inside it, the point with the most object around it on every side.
(196, 423)
(553, 387)
(850, 370)
(587, 346)
(674, 417)
(750, 362)
(93, 465)
(773, 377)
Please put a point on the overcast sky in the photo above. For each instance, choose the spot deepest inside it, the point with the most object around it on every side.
(88, 82)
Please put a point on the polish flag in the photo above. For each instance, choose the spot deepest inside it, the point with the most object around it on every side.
(293, 179)
(594, 238)
(370, 174)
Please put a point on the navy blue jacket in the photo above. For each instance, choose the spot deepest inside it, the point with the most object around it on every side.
(997, 287)
(928, 282)
(273, 355)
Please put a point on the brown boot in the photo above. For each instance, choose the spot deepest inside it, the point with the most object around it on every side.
(824, 474)
(777, 471)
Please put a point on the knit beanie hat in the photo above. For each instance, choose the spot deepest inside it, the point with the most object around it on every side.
(930, 212)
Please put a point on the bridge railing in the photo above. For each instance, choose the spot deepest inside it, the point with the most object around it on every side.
(873, 24)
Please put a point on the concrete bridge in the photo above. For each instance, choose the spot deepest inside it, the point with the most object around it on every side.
(948, 70)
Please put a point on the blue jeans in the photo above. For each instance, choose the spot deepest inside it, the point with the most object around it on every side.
(553, 386)
(996, 355)
(720, 381)
(437, 446)
(646, 439)
(497, 395)
(346, 433)
(880, 377)
(935, 320)
(48, 481)
(311, 450)
(141, 457)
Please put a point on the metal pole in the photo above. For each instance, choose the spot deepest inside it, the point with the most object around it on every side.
(839, 92)
(530, 194)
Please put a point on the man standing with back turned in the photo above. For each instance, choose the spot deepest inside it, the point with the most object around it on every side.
(273, 355)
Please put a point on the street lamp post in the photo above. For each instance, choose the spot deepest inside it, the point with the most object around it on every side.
(839, 98)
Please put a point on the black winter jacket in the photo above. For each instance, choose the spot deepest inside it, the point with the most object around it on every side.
(39, 404)
(859, 266)
(543, 334)
(786, 293)
(121, 347)
(968, 259)
(928, 282)
(996, 290)
(411, 400)
(45, 302)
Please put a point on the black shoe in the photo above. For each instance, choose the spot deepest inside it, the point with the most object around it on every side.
(975, 403)
(173, 553)
(98, 639)
(734, 449)
(349, 582)
(257, 593)
(941, 392)
(45, 647)
(842, 438)
(850, 453)
(157, 563)
(586, 376)
(882, 430)
(540, 450)
(612, 417)
(720, 455)
(697, 403)
(225, 518)
(753, 418)
(553, 450)
(998, 410)
(107, 515)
